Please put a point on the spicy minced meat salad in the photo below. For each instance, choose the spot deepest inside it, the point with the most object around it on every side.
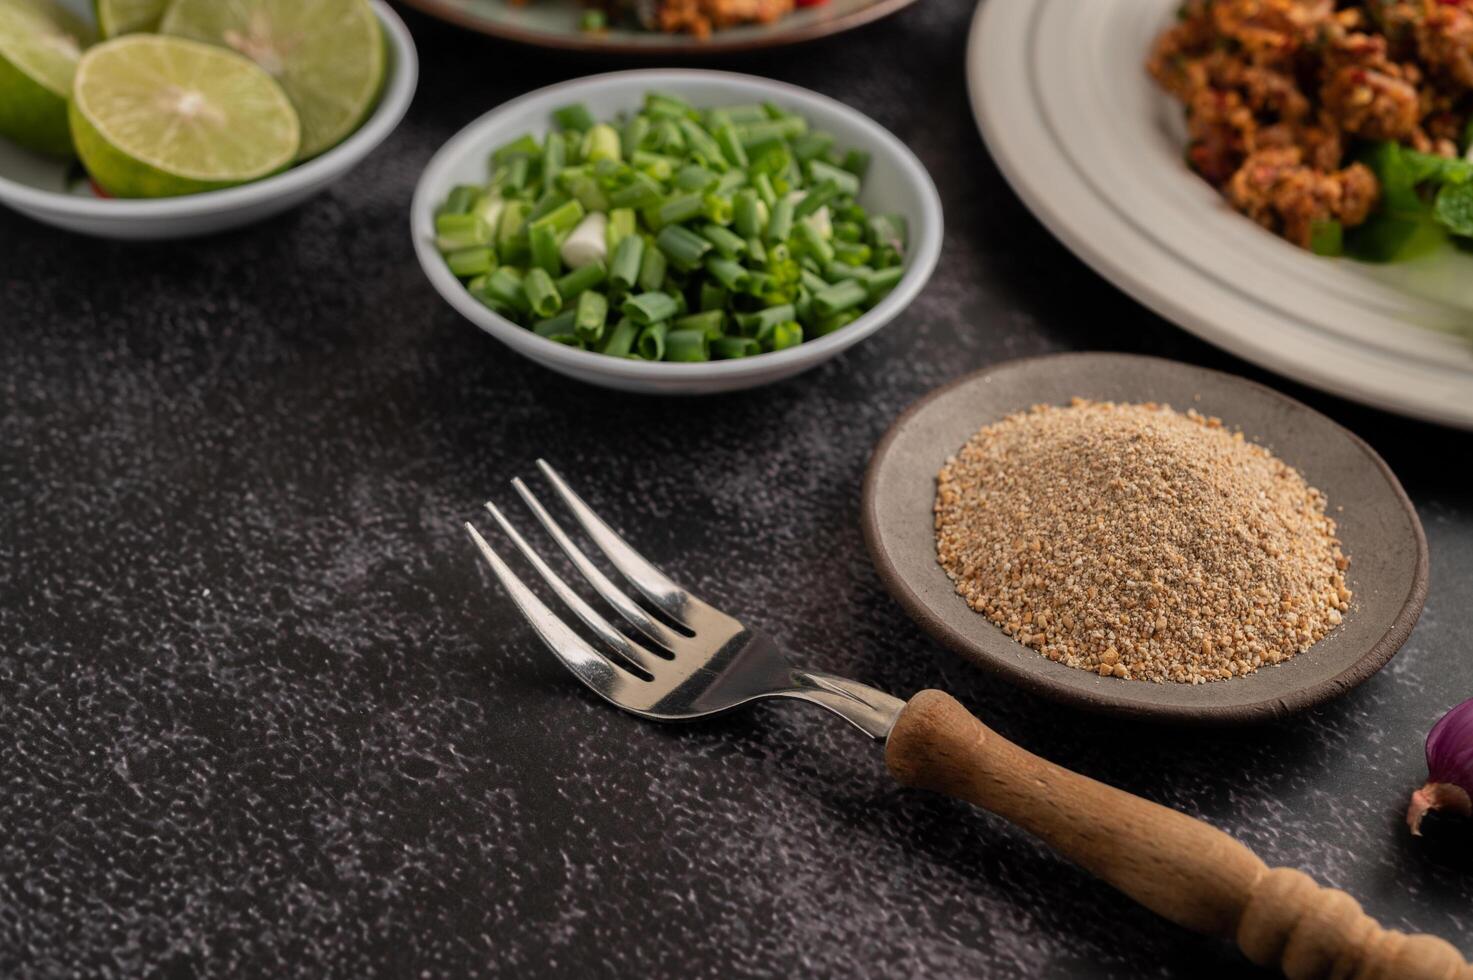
(1292, 103)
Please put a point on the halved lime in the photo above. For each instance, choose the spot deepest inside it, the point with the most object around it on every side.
(40, 43)
(115, 17)
(329, 55)
(157, 116)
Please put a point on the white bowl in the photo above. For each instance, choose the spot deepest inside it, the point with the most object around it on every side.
(896, 182)
(38, 186)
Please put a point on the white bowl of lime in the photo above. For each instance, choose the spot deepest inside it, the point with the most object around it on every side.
(302, 151)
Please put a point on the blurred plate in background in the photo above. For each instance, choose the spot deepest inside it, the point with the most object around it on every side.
(555, 24)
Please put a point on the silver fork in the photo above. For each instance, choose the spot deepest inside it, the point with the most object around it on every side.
(1178, 866)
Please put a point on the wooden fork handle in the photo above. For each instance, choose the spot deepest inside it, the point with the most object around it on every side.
(1177, 866)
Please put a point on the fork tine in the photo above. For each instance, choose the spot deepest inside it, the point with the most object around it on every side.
(590, 666)
(626, 648)
(666, 596)
(611, 593)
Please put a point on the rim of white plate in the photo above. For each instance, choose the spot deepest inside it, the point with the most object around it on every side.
(926, 234)
(392, 104)
(1182, 269)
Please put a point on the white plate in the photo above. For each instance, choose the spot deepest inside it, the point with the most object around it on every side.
(1064, 103)
(50, 190)
(896, 182)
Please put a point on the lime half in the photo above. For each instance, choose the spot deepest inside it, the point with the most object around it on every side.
(158, 116)
(329, 55)
(115, 17)
(39, 46)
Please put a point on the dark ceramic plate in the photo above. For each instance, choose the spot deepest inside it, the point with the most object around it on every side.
(554, 24)
(1378, 527)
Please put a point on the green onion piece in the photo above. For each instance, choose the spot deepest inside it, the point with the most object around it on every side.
(601, 142)
(754, 324)
(712, 323)
(730, 182)
(702, 145)
(682, 246)
(728, 244)
(811, 243)
(888, 231)
(749, 214)
(812, 281)
(780, 224)
(657, 166)
(756, 251)
(668, 137)
(503, 290)
(457, 231)
(647, 308)
(510, 228)
(839, 269)
(585, 277)
(561, 219)
(679, 209)
(575, 116)
(641, 192)
(781, 335)
(550, 201)
(881, 282)
(513, 175)
(470, 262)
(727, 348)
(544, 246)
(651, 343)
(589, 316)
(523, 146)
(730, 145)
(820, 172)
(789, 127)
(620, 341)
(762, 184)
(542, 294)
(622, 224)
(661, 105)
(554, 158)
(856, 162)
(694, 177)
(559, 326)
(687, 345)
(816, 198)
(828, 324)
(839, 297)
(811, 145)
(636, 131)
(652, 268)
(854, 253)
(461, 199)
(717, 208)
(740, 114)
(624, 269)
(727, 272)
(712, 297)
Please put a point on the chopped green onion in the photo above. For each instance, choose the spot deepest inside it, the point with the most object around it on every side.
(839, 297)
(586, 277)
(727, 348)
(590, 313)
(544, 246)
(687, 345)
(749, 214)
(811, 243)
(622, 224)
(881, 282)
(620, 341)
(728, 244)
(753, 324)
(561, 325)
(781, 335)
(563, 218)
(624, 269)
(575, 116)
(651, 343)
(682, 246)
(652, 268)
(820, 172)
(503, 289)
(649, 308)
(454, 232)
(728, 272)
(712, 323)
(461, 199)
(679, 209)
(601, 142)
(780, 224)
(470, 262)
(542, 294)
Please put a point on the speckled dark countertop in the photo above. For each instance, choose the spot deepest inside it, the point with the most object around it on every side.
(260, 713)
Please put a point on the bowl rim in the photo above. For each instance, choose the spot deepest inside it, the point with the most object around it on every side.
(393, 103)
(927, 233)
